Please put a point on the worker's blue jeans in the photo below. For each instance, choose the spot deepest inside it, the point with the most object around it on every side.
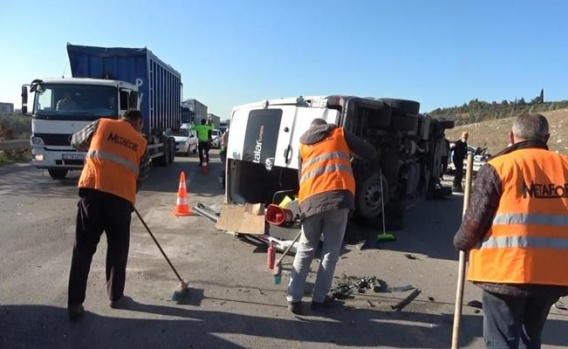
(332, 225)
(514, 321)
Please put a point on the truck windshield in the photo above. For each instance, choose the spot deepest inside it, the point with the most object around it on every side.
(75, 102)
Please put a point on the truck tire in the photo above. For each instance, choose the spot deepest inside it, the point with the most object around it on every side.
(368, 195)
(172, 144)
(57, 173)
(403, 106)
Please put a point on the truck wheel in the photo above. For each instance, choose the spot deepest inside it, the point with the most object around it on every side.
(57, 173)
(368, 196)
(403, 106)
(172, 157)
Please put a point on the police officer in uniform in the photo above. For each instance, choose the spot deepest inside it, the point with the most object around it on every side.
(116, 162)
(516, 231)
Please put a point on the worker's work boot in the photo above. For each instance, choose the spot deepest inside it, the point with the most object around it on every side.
(295, 307)
(75, 312)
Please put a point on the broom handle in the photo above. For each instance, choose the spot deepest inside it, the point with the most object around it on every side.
(461, 263)
(158, 244)
(279, 262)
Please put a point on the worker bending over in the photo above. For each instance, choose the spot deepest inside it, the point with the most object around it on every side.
(516, 231)
(327, 191)
(116, 163)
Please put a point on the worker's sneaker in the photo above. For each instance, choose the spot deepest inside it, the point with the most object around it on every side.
(75, 312)
(121, 303)
(318, 306)
(295, 307)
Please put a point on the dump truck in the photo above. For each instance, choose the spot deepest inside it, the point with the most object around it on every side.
(105, 83)
(262, 153)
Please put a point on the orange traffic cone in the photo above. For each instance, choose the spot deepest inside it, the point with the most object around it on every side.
(182, 205)
(204, 163)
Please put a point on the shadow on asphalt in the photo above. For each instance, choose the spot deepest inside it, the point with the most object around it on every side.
(47, 326)
(429, 229)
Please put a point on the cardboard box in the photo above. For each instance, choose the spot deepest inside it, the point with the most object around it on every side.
(244, 219)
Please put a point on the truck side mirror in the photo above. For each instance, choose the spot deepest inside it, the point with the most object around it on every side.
(24, 99)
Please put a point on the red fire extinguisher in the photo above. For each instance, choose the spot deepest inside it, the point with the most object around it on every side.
(271, 256)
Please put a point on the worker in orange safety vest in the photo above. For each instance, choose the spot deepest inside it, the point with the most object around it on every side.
(326, 196)
(516, 231)
(116, 163)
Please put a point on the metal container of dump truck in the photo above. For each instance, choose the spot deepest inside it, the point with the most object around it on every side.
(159, 85)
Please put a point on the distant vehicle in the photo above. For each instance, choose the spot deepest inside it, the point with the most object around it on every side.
(186, 140)
(216, 138)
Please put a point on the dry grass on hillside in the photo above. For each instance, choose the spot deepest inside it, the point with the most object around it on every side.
(495, 132)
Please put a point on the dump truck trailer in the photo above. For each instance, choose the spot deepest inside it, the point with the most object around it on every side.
(105, 83)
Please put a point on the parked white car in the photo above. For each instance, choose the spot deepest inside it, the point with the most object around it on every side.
(186, 140)
(216, 138)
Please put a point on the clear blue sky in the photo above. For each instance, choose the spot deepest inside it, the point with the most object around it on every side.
(230, 52)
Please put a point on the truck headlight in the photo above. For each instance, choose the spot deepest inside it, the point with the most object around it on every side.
(38, 157)
(37, 141)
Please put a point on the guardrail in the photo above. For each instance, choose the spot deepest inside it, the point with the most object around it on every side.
(15, 144)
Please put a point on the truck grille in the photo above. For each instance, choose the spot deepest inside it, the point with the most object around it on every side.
(55, 139)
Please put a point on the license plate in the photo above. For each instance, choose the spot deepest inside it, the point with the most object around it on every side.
(73, 157)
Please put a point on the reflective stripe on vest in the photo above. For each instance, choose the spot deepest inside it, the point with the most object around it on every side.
(528, 240)
(99, 154)
(525, 242)
(329, 156)
(322, 170)
(530, 219)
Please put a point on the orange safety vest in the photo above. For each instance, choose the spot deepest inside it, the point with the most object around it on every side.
(113, 159)
(528, 240)
(326, 166)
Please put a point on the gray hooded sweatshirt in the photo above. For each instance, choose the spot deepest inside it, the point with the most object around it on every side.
(335, 199)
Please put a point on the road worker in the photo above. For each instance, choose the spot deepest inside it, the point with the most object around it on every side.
(204, 136)
(516, 231)
(459, 153)
(327, 191)
(116, 163)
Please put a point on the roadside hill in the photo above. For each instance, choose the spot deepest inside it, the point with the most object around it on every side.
(494, 133)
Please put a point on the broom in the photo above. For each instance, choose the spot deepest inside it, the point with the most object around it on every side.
(183, 289)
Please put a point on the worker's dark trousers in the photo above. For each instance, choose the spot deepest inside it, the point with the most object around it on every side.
(512, 320)
(98, 212)
(459, 173)
(203, 149)
(444, 166)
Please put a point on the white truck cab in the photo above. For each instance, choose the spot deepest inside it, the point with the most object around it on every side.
(62, 107)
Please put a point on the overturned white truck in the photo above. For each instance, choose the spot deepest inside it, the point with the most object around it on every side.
(262, 153)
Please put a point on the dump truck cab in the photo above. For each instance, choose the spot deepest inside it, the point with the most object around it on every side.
(61, 107)
(263, 150)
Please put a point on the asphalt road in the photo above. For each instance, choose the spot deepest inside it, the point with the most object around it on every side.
(233, 302)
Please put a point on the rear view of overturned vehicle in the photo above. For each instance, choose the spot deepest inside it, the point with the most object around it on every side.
(263, 147)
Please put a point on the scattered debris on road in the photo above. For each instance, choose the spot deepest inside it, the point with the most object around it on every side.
(346, 286)
(406, 301)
